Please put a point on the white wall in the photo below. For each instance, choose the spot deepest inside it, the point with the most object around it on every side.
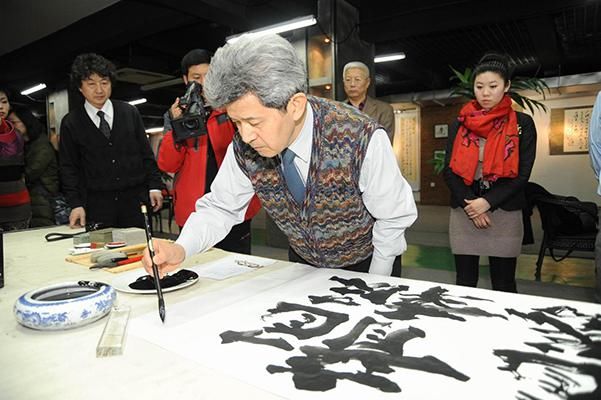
(563, 174)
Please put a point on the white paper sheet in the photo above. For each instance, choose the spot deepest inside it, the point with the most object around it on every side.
(231, 265)
(472, 331)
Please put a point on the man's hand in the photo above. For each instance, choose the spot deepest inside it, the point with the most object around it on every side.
(482, 221)
(77, 218)
(167, 257)
(156, 200)
(175, 111)
(476, 207)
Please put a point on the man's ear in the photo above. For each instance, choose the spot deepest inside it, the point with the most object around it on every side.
(507, 86)
(185, 79)
(297, 105)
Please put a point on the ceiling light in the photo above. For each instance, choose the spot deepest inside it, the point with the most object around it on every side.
(295, 23)
(137, 101)
(33, 89)
(154, 130)
(389, 57)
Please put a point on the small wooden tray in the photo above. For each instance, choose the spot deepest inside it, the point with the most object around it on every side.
(85, 259)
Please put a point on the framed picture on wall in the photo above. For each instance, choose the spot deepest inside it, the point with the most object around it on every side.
(441, 131)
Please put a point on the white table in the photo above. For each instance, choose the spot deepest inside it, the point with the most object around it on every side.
(63, 364)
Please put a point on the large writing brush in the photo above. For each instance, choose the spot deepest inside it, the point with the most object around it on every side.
(155, 269)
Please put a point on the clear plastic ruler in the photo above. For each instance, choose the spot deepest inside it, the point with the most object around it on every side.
(112, 340)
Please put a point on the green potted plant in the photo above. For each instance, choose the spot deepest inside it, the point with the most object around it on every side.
(463, 85)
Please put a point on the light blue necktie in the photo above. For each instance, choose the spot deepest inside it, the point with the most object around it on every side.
(292, 177)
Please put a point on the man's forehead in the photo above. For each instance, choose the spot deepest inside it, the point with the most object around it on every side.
(356, 71)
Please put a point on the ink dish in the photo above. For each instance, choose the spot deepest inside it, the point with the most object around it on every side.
(140, 283)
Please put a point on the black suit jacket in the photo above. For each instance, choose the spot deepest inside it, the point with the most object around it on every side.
(89, 162)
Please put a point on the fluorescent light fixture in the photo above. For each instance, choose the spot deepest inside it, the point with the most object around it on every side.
(295, 23)
(389, 57)
(33, 89)
(154, 130)
(137, 101)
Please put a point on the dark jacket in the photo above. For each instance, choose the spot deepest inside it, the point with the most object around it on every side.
(41, 176)
(506, 193)
(109, 177)
(92, 163)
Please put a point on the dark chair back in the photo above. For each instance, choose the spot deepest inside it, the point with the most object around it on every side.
(568, 224)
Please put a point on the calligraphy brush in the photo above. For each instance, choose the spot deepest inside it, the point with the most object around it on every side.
(155, 269)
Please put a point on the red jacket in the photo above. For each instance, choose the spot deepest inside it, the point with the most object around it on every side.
(190, 165)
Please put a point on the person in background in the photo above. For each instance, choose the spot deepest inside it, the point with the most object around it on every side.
(356, 82)
(106, 164)
(489, 156)
(324, 172)
(594, 140)
(195, 160)
(15, 203)
(41, 168)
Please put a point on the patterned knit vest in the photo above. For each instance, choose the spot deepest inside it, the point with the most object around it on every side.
(332, 228)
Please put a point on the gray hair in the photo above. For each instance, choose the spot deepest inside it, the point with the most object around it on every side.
(355, 64)
(267, 67)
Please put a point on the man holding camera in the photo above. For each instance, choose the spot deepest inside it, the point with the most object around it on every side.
(194, 147)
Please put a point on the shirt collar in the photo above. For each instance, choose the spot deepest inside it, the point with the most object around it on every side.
(361, 105)
(107, 108)
(304, 141)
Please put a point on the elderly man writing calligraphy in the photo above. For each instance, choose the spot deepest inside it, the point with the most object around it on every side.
(324, 172)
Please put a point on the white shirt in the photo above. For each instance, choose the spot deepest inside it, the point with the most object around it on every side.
(385, 193)
(107, 108)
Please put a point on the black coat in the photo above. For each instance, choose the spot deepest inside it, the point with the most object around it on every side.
(506, 193)
(108, 177)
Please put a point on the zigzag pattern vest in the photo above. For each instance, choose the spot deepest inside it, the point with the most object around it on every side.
(332, 228)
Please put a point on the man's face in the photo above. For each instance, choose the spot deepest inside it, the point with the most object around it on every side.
(4, 105)
(197, 73)
(96, 89)
(356, 83)
(267, 130)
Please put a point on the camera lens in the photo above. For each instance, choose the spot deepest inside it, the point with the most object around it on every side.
(192, 124)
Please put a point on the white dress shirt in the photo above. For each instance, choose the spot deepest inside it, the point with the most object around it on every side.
(107, 108)
(385, 193)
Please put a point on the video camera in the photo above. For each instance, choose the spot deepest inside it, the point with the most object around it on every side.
(193, 121)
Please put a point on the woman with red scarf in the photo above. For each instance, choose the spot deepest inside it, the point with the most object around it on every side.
(490, 154)
(15, 207)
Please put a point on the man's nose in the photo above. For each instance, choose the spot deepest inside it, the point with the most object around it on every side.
(247, 134)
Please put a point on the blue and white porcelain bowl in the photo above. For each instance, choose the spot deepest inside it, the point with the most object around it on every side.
(64, 305)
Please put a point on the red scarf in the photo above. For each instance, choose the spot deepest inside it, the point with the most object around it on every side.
(499, 127)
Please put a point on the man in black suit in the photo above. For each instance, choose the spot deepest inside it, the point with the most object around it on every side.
(106, 163)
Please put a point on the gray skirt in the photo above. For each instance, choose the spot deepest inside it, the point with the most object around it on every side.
(502, 239)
